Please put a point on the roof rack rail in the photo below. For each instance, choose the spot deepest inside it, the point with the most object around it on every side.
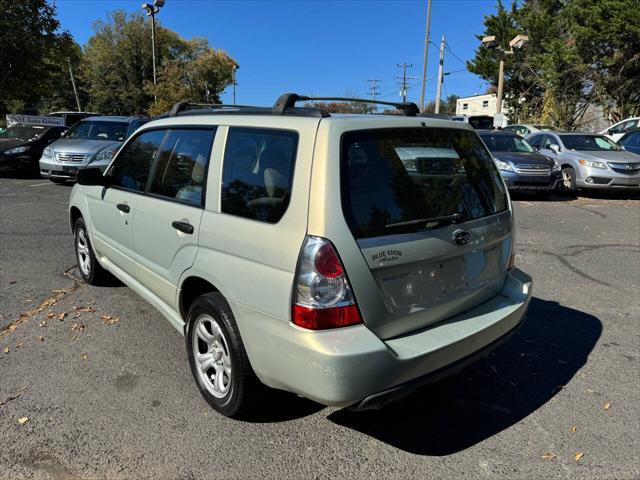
(188, 108)
(185, 105)
(288, 100)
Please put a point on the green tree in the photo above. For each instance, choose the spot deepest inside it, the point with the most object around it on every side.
(118, 67)
(607, 38)
(343, 107)
(33, 54)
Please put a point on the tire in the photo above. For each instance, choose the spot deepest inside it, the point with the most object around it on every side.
(211, 333)
(91, 271)
(568, 184)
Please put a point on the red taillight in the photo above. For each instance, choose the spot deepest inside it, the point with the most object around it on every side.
(327, 262)
(322, 296)
(323, 318)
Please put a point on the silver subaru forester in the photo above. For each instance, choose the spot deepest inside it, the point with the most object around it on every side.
(345, 258)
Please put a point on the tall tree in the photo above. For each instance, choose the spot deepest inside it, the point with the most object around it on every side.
(343, 107)
(33, 52)
(607, 38)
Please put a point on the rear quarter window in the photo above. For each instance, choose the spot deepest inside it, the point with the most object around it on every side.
(391, 176)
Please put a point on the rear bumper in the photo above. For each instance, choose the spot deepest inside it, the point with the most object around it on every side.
(352, 366)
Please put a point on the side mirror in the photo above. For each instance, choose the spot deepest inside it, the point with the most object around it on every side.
(93, 177)
(554, 148)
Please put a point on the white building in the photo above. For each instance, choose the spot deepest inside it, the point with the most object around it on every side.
(478, 105)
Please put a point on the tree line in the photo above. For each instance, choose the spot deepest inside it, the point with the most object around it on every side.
(113, 70)
(580, 53)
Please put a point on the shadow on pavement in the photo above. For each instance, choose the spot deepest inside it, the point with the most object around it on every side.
(516, 380)
(281, 406)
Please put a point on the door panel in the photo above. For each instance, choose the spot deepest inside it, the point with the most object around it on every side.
(111, 227)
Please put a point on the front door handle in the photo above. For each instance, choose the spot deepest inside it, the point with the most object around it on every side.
(123, 207)
(184, 227)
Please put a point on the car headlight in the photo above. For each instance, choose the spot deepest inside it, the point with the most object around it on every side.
(592, 164)
(16, 150)
(104, 155)
(556, 167)
(503, 165)
(47, 153)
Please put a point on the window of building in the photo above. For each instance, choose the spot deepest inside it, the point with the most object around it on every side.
(485, 103)
(465, 106)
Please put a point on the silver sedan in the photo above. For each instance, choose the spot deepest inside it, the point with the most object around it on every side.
(589, 160)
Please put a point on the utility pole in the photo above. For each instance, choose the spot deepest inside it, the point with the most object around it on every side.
(426, 56)
(403, 85)
(73, 82)
(440, 75)
(374, 91)
(233, 78)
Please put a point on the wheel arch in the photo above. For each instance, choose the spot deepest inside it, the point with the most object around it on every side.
(74, 214)
(191, 288)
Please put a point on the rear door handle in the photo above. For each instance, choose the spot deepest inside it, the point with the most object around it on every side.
(123, 207)
(184, 227)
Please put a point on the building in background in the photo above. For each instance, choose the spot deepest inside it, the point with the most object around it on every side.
(478, 105)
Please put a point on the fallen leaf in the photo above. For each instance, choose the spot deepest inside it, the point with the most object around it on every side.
(6, 350)
(11, 282)
(578, 456)
(43, 323)
(590, 391)
(607, 406)
(62, 316)
(41, 339)
(573, 429)
(548, 456)
(19, 345)
(23, 420)
(85, 356)
(51, 315)
(84, 309)
(109, 319)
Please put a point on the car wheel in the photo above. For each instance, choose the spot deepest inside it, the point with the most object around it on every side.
(91, 271)
(217, 356)
(568, 183)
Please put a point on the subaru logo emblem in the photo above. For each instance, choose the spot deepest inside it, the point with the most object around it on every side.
(460, 237)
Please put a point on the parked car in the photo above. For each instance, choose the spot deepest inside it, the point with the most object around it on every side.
(385, 263)
(631, 141)
(589, 160)
(522, 168)
(616, 131)
(476, 121)
(524, 130)
(21, 146)
(90, 142)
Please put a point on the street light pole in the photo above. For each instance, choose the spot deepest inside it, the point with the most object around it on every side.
(500, 87)
(152, 10)
(233, 73)
(426, 56)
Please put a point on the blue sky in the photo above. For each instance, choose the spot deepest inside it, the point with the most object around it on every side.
(317, 47)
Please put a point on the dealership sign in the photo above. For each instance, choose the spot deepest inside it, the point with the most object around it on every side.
(34, 120)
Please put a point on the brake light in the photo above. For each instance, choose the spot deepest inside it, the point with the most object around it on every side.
(322, 296)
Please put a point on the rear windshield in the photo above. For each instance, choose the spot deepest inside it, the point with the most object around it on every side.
(588, 143)
(391, 177)
(500, 142)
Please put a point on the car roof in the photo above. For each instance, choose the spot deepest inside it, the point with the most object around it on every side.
(110, 118)
(497, 132)
(351, 120)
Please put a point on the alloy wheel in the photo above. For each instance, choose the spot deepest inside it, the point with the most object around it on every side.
(211, 355)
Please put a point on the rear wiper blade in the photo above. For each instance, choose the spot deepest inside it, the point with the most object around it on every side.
(453, 218)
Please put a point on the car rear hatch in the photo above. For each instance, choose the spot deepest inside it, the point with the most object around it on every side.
(430, 216)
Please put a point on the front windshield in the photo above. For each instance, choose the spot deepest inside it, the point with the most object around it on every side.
(23, 132)
(506, 143)
(589, 143)
(98, 130)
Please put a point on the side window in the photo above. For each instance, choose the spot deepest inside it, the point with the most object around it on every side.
(134, 125)
(534, 141)
(624, 126)
(547, 141)
(131, 167)
(182, 165)
(258, 172)
(631, 140)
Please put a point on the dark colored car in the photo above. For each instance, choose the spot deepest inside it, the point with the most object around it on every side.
(631, 141)
(521, 166)
(21, 146)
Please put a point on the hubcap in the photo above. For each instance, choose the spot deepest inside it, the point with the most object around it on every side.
(82, 249)
(211, 354)
(566, 178)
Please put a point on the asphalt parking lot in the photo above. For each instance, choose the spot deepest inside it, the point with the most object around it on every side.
(94, 383)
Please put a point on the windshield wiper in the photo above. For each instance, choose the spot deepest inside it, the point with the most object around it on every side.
(447, 219)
